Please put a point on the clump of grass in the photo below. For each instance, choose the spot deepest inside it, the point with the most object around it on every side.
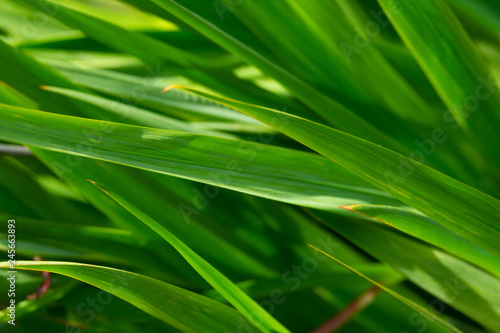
(309, 167)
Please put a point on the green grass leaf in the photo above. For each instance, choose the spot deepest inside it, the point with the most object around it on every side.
(422, 227)
(155, 53)
(134, 114)
(180, 308)
(243, 44)
(460, 208)
(250, 309)
(253, 168)
(453, 281)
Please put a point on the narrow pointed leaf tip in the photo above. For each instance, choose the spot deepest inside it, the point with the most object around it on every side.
(172, 86)
(350, 207)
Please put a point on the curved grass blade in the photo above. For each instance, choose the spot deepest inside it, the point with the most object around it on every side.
(129, 42)
(184, 310)
(242, 302)
(470, 213)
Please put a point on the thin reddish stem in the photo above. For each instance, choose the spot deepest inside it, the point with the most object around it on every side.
(44, 287)
(341, 318)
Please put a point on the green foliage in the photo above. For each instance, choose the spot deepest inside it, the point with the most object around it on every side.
(309, 166)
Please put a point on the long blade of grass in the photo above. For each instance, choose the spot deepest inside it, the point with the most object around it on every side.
(242, 302)
(184, 310)
(460, 208)
(248, 167)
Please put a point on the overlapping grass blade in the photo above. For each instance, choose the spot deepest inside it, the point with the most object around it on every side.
(76, 170)
(340, 64)
(240, 42)
(259, 169)
(460, 208)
